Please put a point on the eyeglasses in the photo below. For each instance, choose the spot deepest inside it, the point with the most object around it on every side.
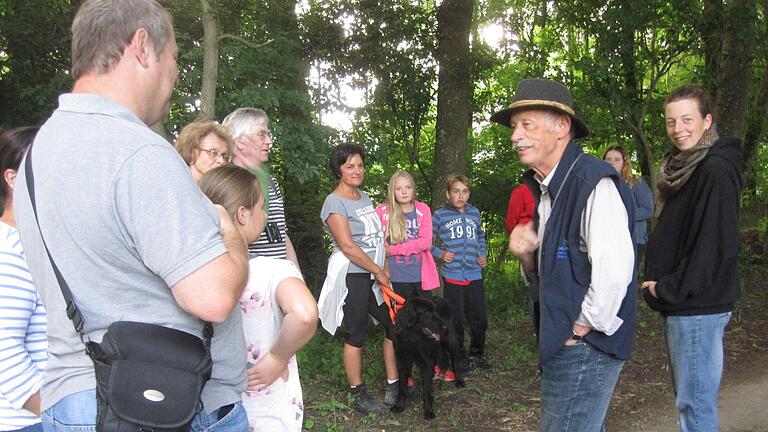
(260, 134)
(215, 154)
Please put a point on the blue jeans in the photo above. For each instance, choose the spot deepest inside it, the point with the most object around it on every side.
(73, 413)
(695, 345)
(37, 427)
(235, 421)
(77, 413)
(576, 388)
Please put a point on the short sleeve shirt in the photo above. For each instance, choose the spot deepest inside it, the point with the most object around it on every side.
(364, 224)
(279, 406)
(124, 221)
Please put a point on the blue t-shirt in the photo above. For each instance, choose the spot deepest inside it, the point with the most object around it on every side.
(407, 268)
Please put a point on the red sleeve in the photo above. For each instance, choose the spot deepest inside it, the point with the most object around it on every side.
(521, 207)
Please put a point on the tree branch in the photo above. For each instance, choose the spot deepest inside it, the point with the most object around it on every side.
(244, 40)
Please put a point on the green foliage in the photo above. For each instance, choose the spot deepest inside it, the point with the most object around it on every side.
(34, 59)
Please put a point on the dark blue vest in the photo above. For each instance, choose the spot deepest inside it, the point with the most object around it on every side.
(565, 271)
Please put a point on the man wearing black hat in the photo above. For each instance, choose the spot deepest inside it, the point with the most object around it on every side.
(582, 240)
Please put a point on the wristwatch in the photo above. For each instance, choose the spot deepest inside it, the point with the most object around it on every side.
(576, 337)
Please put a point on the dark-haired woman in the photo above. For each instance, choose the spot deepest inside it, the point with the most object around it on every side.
(618, 157)
(349, 293)
(22, 315)
(691, 262)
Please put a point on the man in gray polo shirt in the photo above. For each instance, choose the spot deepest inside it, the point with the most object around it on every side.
(127, 226)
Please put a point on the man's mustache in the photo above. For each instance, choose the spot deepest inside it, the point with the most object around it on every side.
(522, 144)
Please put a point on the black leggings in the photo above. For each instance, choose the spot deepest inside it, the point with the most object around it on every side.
(360, 302)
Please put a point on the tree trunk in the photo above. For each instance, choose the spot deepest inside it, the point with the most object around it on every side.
(454, 22)
(735, 72)
(210, 64)
(754, 130)
(710, 29)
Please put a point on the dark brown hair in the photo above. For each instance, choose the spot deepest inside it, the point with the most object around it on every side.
(13, 145)
(341, 154)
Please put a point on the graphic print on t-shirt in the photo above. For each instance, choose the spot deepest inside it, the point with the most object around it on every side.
(407, 268)
(459, 230)
(372, 225)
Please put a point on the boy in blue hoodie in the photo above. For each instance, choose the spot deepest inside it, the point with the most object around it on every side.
(460, 244)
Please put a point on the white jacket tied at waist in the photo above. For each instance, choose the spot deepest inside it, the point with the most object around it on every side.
(331, 302)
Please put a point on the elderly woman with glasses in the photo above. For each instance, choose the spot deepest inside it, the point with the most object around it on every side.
(204, 146)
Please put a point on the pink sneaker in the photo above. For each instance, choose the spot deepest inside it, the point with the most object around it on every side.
(449, 376)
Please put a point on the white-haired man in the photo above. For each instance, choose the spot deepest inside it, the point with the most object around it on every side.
(582, 240)
(249, 128)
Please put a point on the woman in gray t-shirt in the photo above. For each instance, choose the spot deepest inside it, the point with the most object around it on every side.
(355, 230)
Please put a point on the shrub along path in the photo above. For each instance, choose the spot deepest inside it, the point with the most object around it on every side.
(506, 398)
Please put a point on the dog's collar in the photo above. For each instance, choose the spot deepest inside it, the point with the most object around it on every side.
(431, 334)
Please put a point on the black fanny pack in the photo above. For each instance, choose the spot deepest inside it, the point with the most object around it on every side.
(148, 377)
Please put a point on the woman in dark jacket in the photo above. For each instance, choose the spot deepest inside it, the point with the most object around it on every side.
(691, 263)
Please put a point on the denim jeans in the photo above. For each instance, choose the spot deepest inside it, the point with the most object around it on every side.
(235, 421)
(73, 413)
(77, 413)
(37, 427)
(695, 345)
(576, 388)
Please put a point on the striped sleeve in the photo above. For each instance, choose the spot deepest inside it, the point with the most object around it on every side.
(23, 342)
(276, 248)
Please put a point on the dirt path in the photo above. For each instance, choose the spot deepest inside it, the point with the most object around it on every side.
(507, 398)
(743, 405)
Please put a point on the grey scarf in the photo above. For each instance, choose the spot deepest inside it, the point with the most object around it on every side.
(678, 166)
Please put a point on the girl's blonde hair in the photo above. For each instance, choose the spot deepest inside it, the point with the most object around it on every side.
(231, 187)
(397, 229)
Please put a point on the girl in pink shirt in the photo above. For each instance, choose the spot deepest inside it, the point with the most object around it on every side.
(408, 231)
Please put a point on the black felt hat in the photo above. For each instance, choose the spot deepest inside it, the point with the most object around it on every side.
(542, 94)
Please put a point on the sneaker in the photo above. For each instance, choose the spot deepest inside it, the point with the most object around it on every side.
(479, 362)
(449, 376)
(438, 372)
(364, 403)
(391, 392)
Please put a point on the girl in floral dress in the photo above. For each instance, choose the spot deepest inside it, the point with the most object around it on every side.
(279, 313)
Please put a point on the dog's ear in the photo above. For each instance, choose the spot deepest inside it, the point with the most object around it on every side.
(408, 315)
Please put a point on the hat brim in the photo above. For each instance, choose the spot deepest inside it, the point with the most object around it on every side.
(504, 116)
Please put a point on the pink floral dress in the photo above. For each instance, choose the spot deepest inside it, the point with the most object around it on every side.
(278, 407)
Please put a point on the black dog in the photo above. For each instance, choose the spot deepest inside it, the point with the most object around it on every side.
(425, 335)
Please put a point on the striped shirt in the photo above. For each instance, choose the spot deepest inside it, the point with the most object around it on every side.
(460, 232)
(277, 248)
(23, 343)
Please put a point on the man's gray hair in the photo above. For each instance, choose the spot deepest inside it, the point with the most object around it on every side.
(241, 121)
(102, 29)
(551, 118)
